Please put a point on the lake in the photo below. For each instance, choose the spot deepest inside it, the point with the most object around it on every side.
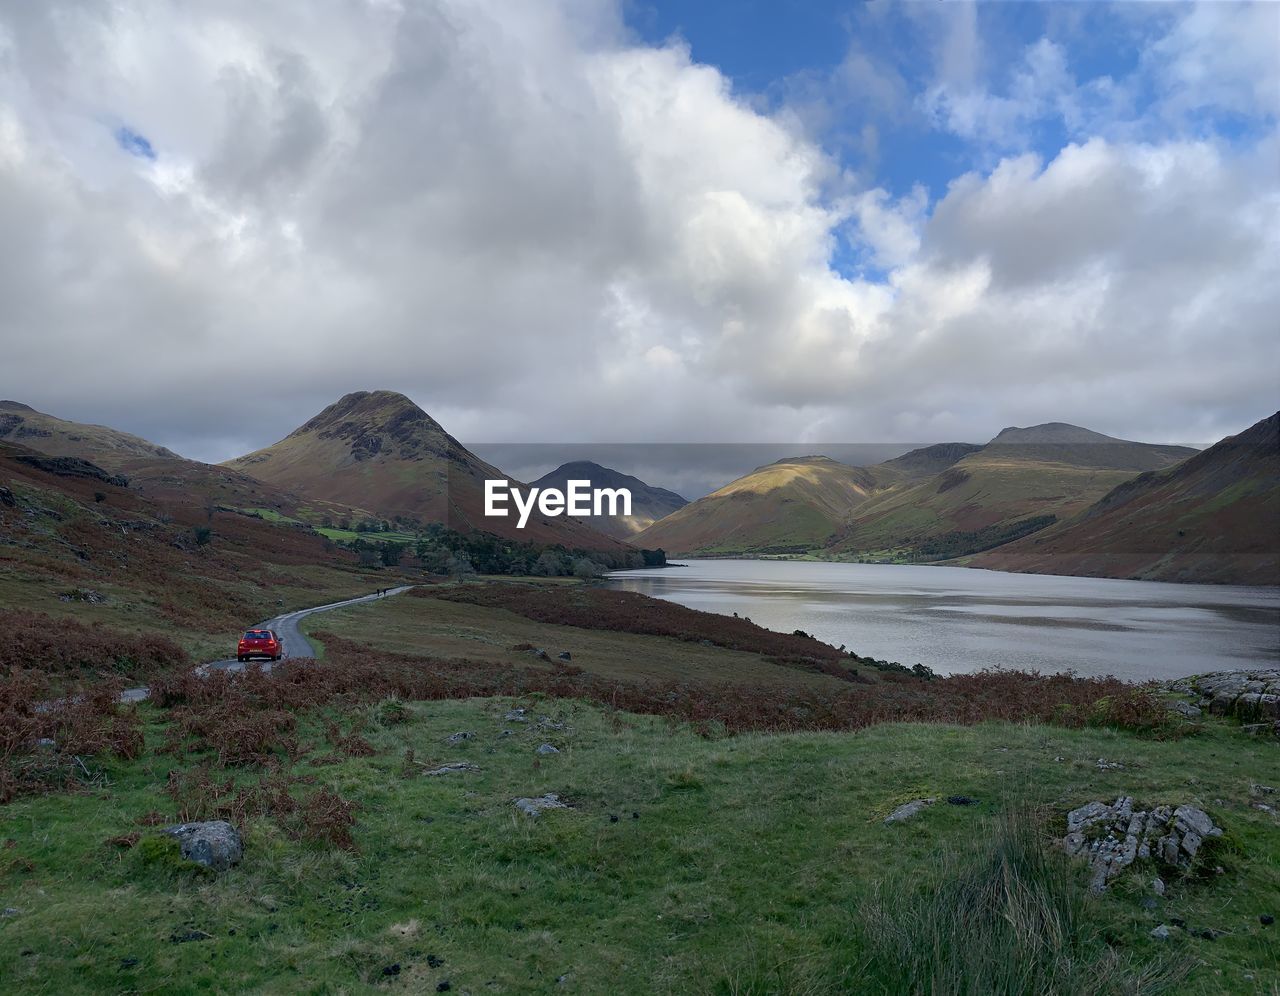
(956, 620)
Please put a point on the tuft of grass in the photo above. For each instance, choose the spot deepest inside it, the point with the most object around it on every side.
(1010, 915)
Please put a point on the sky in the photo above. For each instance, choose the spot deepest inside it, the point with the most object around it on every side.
(626, 221)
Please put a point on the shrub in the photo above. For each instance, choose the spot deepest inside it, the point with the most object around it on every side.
(1006, 916)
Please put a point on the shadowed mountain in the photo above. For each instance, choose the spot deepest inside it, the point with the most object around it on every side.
(648, 504)
(109, 448)
(378, 451)
(790, 506)
(1214, 517)
(1024, 479)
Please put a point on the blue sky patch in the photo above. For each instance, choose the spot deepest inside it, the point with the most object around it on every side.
(134, 143)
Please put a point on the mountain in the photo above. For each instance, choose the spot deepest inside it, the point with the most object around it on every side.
(934, 503)
(1215, 517)
(1024, 479)
(648, 504)
(380, 452)
(790, 506)
(150, 469)
(109, 448)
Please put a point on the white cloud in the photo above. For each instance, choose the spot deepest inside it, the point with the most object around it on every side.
(540, 229)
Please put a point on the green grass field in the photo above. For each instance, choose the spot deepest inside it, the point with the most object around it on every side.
(736, 865)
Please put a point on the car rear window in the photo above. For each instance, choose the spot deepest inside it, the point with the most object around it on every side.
(257, 634)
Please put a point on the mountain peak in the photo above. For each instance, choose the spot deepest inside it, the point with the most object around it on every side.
(15, 406)
(1051, 432)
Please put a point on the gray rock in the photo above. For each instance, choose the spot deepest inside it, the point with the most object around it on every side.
(1112, 837)
(1184, 708)
(1160, 933)
(547, 749)
(1254, 692)
(564, 655)
(516, 716)
(531, 807)
(1157, 886)
(453, 739)
(215, 844)
(453, 768)
(10, 911)
(908, 809)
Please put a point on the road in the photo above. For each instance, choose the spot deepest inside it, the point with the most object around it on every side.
(286, 626)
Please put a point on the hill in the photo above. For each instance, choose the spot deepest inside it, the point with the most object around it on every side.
(109, 448)
(80, 542)
(791, 506)
(1214, 517)
(378, 451)
(648, 504)
(936, 502)
(1022, 480)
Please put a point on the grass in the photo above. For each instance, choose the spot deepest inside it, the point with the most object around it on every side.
(753, 863)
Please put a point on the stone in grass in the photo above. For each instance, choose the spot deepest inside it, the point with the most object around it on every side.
(453, 768)
(453, 739)
(215, 844)
(517, 716)
(1160, 933)
(547, 749)
(532, 807)
(908, 810)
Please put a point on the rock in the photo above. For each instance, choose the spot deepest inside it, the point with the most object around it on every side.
(391, 970)
(453, 768)
(547, 749)
(541, 654)
(564, 655)
(215, 844)
(1266, 919)
(1184, 708)
(961, 800)
(1105, 765)
(516, 716)
(10, 911)
(1256, 789)
(453, 739)
(546, 723)
(1161, 933)
(7, 499)
(908, 809)
(1112, 837)
(1246, 693)
(1157, 886)
(532, 807)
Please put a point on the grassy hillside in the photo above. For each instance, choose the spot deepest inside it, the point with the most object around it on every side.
(689, 859)
(78, 542)
(933, 503)
(109, 448)
(785, 507)
(1214, 517)
(379, 451)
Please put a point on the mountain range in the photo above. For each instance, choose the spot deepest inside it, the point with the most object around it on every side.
(1053, 498)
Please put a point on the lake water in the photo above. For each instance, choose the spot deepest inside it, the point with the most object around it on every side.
(955, 619)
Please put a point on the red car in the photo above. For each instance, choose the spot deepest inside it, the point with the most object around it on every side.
(259, 643)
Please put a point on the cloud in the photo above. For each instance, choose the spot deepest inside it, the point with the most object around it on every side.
(541, 230)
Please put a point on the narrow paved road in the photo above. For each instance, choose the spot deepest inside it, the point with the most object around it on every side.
(295, 644)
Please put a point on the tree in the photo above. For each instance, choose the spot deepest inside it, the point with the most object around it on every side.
(203, 535)
(459, 564)
(549, 565)
(586, 569)
(391, 554)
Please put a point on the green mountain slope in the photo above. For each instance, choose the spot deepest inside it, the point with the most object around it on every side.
(1215, 517)
(790, 506)
(378, 451)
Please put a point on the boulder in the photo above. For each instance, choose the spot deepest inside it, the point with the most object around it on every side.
(215, 844)
(547, 749)
(1112, 837)
(453, 739)
(450, 769)
(531, 807)
(907, 810)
